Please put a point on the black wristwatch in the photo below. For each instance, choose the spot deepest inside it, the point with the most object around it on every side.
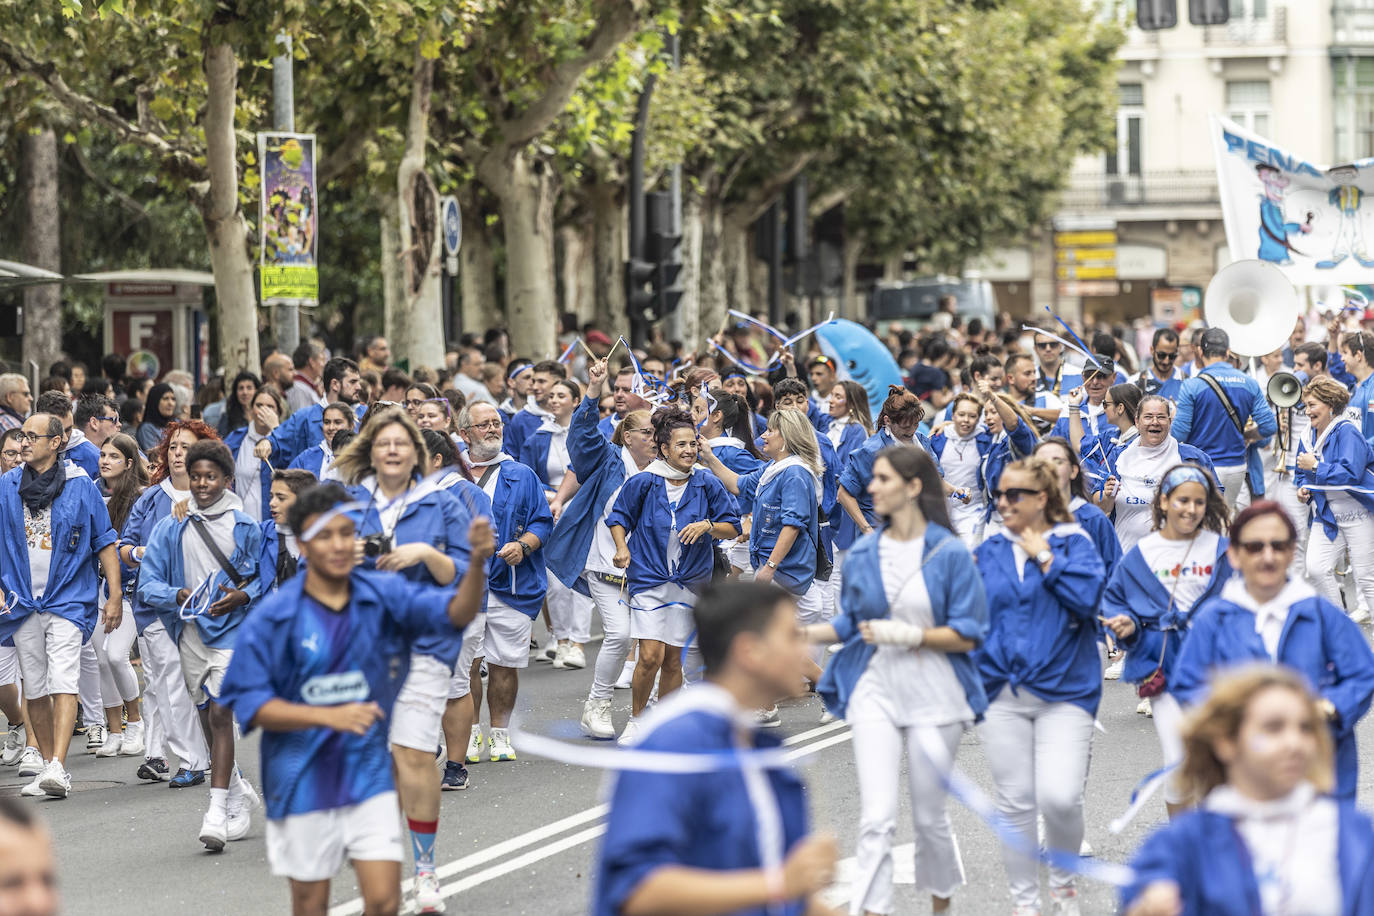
(525, 546)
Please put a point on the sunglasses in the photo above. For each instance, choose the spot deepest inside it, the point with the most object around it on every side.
(1013, 495)
(1046, 344)
(1166, 357)
(1253, 548)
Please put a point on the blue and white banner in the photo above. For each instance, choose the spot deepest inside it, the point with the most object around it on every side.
(1310, 220)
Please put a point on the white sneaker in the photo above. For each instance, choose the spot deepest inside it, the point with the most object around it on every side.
(35, 788)
(214, 830)
(14, 746)
(240, 819)
(95, 738)
(1064, 902)
(596, 719)
(499, 747)
(630, 734)
(574, 657)
(627, 673)
(30, 762)
(133, 740)
(768, 718)
(475, 745)
(1145, 709)
(547, 651)
(429, 898)
(55, 781)
(1113, 672)
(560, 655)
(113, 746)
(827, 717)
(1360, 615)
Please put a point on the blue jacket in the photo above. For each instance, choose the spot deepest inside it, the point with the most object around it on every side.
(1150, 383)
(1345, 462)
(603, 473)
(956, 599)
(1362, 403)
(1135, 590)
(283, 654)
(312, 460)
(606, 425)
(1318, 641)
(151, 507)
(819, 419)
(642, 510)
(85, 456)
(80, 530)
(518, 432)
(1043, 628)
(234, 440)
(1203, 853)
(299, 432)
(519, 506)
(702, 820)
(1111, 450)
(163, 574)
(429, 516)
(789, 499)
(534, 454)
(858, 470)
(1017, 443)
(845, 531)
(1103, 533)
(1201, 419)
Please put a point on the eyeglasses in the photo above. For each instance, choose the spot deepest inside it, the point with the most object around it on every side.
(1013, 495)
(1254, 548)
(10, 454)
(488, 424)
(107, 419)
(411, 403)
(22, 437)
(1046, 344)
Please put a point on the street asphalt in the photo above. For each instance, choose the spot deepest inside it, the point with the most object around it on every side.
(524, 837)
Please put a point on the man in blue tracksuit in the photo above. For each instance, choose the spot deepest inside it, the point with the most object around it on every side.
(303, 428)
(1203, 421)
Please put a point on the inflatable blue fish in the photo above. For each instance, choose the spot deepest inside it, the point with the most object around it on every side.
(860, 356)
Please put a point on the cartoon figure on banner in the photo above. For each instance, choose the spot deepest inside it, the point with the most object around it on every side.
(1346, 197)
(1273, 233)
(289, 224)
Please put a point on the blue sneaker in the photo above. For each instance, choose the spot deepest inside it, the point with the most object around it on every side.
(455, 777)
(186, 778)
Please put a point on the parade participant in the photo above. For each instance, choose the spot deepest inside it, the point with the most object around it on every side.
(1333, 468)
(905, 666)
(897, 422)
(1215, 410)
(10, 449)
(204, 567)
(821, 371)
(75, 449)
(160, 408)
(1136, 470)
(124, 477)
(851, 424)
(1120, 405)
(960, 447)
(626, 400)
(28, 863)
(1357, 350)
(784, 498)
(517, 581)
(96, 417)
(1054, 375)
(15, 400)
(1021, 376)
(438, 413)
(304, 427)
(1064, 460)
(1010, 438)
(1089, 398)
(57, 535)
(280, 553)
(790, 394)
(1263, 615)
(534, 413)
(1266, 838)
(325, 760)
(1156, 587)
(518, 373)
(546, 450)
(252, 475)
(319, 458)
(664, 523)
(1040, 668)
(414, 527)
(1162, 376)
(733, 841)
(727, 427)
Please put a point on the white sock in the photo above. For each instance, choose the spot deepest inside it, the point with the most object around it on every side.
(219, 801)
(133, 728)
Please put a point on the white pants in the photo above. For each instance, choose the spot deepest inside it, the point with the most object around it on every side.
(570, 612)
(9, 666)
(968, 522)
(1038, 753)
(172, 719)
(1324, 555)
(88, 684)
(811, 609)
(1232, 481)
(878, 747)
(615, 645)
(1168, 719)
(837, 576)
(1280, 488)
(118, 683)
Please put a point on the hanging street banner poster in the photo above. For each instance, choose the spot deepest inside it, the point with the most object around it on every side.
(1313, 222)
(289, 219)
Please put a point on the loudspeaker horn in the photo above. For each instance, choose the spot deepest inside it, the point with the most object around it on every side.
(1285, 388)
(1255, 304)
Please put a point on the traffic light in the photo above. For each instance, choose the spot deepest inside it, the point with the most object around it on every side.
(639, 299)
(664, 249)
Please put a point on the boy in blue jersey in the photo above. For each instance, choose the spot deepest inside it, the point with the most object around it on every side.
(734, 841)
(317, 668)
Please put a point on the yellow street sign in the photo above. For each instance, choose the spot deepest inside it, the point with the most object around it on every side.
(1082, 255)
(1098, 239)
(1086, 272)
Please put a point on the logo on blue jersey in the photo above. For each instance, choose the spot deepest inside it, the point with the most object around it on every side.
(332, 689)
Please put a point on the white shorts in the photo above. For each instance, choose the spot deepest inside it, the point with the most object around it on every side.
(663, 614)
(9, 666)
(503, 638)
(203, 667)
(419, 709)
(314, 846)
(49, 649)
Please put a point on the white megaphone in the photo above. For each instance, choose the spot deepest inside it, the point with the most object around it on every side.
(1255, 304)
(1285, 388)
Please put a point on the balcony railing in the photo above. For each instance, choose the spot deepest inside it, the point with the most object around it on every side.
(1152, 189)
(1353, 23)
(1267, 31)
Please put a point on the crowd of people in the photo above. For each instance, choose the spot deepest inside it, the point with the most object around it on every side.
(350, 556)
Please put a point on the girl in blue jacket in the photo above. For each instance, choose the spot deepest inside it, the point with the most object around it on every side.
(1333, 463)
(1263, 615)
(1064, 460)
(905, 669)
(1043, 578)
(1149, 597)
(1265, 839)
(253, 475)
(728, 431)
(664, 522)
(317, 459)
(280, 552)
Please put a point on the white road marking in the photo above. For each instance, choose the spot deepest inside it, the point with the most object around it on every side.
(538, 834)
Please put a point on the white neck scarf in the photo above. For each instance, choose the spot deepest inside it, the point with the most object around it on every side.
(718, 441)
(1140, 461)
(228, 501)
(660, 468)
(791, 461)
(500, 457)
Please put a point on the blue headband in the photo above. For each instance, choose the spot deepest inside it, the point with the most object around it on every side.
(515, 373)
(1186, 474)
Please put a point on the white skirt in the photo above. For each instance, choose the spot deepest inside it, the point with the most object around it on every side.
(663, 614)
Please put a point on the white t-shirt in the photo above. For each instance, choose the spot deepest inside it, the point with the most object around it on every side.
(248, 475)
(38, 534)
(1182, 567)
(1139, 470)
(559, 459)
(960, 461)
(198, 562)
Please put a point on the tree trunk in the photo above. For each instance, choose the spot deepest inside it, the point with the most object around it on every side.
(418, 337)
(713, 282)
(694, 330)
(225, 228)
(526, 192)
(577, 270)
(738, 251)
(851, 306)
(608, 255)
(477, 270)
(392, 295)
(42, 248)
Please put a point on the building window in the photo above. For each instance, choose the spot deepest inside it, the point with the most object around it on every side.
(1353, 111)
(1249, 9)
(1124, 156)
(1247, 103)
